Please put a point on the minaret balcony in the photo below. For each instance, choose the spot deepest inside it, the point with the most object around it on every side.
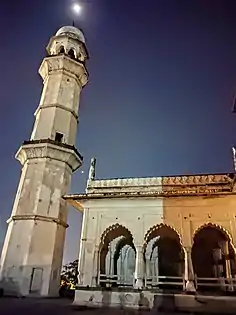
(47, 148)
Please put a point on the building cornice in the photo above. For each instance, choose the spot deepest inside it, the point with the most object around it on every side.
(161, 185)
(210, 185)
(194, 191)
(197, 179)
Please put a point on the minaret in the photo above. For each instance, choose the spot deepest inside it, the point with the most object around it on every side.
(234, 157)
(33, 248)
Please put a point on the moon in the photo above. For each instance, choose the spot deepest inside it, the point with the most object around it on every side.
(77, 8)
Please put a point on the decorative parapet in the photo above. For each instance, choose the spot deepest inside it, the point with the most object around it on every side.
(168, 185)
(198, 184)
(125, 185)
(197, 179)
(190, 191)
(138, 181)
(157, 187)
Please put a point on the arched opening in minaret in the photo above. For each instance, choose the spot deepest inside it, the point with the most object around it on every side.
(61, 50)
(164, 257)
(117, 257)
(213, 258)
(71, 53)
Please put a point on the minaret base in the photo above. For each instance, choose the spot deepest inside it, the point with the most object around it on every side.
(33, 248)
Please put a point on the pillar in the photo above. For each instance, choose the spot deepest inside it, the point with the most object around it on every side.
(225, 249)
(139, 268)
(82, 248)
(95, 266)
(188, 271)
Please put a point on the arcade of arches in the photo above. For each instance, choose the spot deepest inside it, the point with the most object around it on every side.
(162, 260)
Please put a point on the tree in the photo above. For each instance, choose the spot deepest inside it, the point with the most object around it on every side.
(70, 272)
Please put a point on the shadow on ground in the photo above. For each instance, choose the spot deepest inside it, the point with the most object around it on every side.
(39, 306)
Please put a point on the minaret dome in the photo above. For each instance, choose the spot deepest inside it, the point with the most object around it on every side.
(69, 40)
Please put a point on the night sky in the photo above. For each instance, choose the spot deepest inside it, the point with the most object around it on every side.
(162, 83)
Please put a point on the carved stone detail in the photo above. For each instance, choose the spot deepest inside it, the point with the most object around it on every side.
(165, 192)
(48, 150)
(164, 186)
(126, 182)
(197, 179)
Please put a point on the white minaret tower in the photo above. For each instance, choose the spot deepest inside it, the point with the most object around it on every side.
(33, 248)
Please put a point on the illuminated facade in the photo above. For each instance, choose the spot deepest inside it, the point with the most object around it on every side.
(175, 233)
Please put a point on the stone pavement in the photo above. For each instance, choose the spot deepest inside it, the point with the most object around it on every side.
(30, 306)
(37, 306)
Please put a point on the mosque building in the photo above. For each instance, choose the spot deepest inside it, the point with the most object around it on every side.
(139, 235)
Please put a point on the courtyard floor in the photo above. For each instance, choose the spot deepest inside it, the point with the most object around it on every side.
(31, 306)
(16, 306)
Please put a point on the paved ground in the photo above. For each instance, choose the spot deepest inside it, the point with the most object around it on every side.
(14, 306)
(30, 306)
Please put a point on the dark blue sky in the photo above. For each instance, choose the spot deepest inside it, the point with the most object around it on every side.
(162, 81)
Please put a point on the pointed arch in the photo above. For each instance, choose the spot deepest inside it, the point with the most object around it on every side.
(157, 228)
(61, 49)
(124, 263)
(112, 241)
(114, 231)
(121, 243)
(217, 227)
(163, 253)
(72, 53)
(213, 252)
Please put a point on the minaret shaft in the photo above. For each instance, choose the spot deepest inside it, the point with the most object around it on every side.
(33, 248)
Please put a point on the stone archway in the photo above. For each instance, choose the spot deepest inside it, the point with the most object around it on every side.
(124, 261)
(164, 256)
(71, 53)
(213, 257)
(117, 253)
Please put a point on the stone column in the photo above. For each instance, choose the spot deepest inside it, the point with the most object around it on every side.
(225, 249)
(112, 265)
(155, 277)
(139, 268)
(227, 260)
(218, 267)
(188, 271)
(147, 270)
(81, 262)
(95, 266)
(83, 241)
